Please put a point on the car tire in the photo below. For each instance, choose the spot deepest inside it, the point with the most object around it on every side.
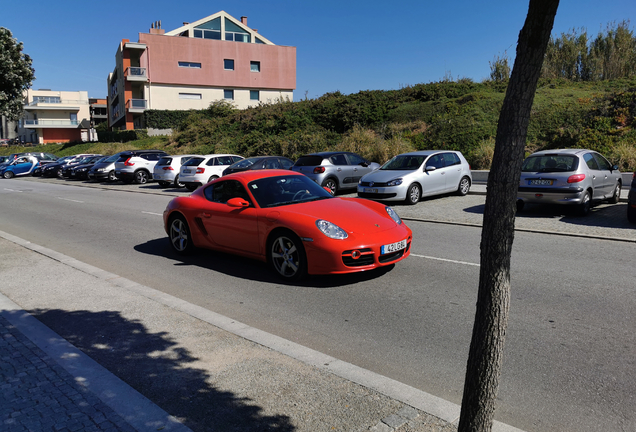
(191, 186)
(164, 184)
(177, 183)
(520, 205)
(141, 177)
(111, 176)
(631, 213)
(214, 177)
(180, 236)
(464, 186)
(586, 203)
(59, 173)
(8, 174)
(331, 184)
(286, 255)
(617, 194)
(413, 194)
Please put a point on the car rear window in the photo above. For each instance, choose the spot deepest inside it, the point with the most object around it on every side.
(195, 161)
(164, 161)
(309, 161)
(550, 163)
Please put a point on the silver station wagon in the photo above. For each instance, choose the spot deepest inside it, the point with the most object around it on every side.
(572, 176)
(411, 176)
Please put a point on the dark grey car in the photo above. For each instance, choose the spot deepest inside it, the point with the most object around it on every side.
(631, 201)
(335, 170)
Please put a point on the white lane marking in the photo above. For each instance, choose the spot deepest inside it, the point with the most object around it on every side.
(68, 199)
(13, 190)
(156, 214)
(447, 260)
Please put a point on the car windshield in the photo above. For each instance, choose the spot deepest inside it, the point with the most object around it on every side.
(550, 163)
(284, 190)
(245, 163)
(404, 163)
(113, 158)
(195, 161)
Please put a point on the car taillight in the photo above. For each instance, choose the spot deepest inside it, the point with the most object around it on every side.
(200, 170)
(127, 163)
(168, 168)
(576, 178)
(319, 170)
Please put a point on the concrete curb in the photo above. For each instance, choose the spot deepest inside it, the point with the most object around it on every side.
(409, 395)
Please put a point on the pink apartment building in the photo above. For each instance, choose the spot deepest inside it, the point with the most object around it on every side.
(214, 58)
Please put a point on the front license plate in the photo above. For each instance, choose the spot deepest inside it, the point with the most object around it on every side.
(367, 190)
(117, 172)
(393, 247)
(540, 182)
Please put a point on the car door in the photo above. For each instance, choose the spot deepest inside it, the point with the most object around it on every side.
(433, 180)
(360, 166)
(453, 171)
(230, 227)
(598, 177)
(343, 170)
(605, 171)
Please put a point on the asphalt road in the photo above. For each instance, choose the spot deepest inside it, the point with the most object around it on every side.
(570, 350)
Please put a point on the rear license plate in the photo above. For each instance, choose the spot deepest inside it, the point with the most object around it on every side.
(540, 182)
(393, 247)
(117, 172)
(368, 190)
(186, 171)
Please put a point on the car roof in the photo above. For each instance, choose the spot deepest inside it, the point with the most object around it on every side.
(138, 152)
(426, 152)
(560, 151)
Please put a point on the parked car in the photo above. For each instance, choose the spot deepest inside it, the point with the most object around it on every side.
(80, 171)
(259, 162)
(68, 168)
(203, 169)
(166, 171)
(631, 201)
(104, 170)
(574, 177)
(410, 176)
(4, 159)
(287, 220)
(137, 165)
(335, 170)
(23, 165)
(54, 169)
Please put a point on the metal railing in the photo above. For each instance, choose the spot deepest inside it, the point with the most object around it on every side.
(56, 101)
(136, 104)
(68, 123)
(136, 72)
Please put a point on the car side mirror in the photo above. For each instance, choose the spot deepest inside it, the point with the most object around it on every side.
(364, 164)
(238, 202)
(615, 168)
(430, 168)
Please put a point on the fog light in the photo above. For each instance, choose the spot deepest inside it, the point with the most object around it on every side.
(355, 254)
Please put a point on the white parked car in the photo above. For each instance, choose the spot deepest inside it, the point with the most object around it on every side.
(137, 165)
(200, 170)
(410, 176)
(167, 170)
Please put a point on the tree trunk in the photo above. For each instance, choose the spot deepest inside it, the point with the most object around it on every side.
(493, 299)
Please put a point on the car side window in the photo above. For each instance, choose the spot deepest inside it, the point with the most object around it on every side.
(338, 159)
(354, 159)
(590, 161)
(603, 164)
(271, 164)
(451, 159)
(435, 161)
(286, 163)
(222, 192)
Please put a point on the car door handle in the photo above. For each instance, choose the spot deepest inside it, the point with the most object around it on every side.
(339, 169)
(207, 215)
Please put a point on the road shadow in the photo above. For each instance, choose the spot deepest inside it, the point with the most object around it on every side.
(250, 269)
(162, 371)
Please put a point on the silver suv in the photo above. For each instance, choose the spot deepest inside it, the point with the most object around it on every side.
(137, 165)
(166, 171)
(335, 170)
(574, 177)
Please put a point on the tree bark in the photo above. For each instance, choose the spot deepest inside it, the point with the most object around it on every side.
(493, 299)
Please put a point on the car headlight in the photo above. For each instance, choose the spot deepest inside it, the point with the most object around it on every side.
(331, 230)
(395, 182)
(393, 215)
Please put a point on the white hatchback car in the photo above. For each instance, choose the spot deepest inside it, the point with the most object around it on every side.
(166, 172)
(200, 170)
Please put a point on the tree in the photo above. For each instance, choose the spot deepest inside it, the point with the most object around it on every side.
(493, 298)
(16, 75)
(499, 69)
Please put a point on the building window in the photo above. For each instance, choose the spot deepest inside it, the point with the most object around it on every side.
(74, 118)
(209, 30)
(189, 95)
(235, 33)
(255, 66)
(228, 64)
(254, 95)
(228, 94)
(190, 65)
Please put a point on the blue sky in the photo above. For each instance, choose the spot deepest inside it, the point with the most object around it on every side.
(341, 45)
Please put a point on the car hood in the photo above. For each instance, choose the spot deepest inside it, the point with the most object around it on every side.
(353, 215)
(383, 176)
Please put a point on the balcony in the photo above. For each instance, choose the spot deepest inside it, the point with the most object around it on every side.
(136, 105)
(54, 103)
(32, 124)
(136, 74)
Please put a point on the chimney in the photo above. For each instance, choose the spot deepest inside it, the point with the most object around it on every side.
(244, 20)
(155, 28)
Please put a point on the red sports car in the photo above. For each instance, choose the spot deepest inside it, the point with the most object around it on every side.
(286, 219)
